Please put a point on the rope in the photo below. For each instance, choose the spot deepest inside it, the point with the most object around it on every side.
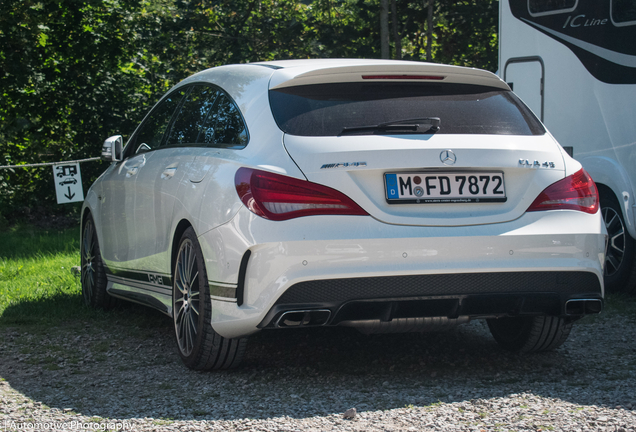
(48, 163)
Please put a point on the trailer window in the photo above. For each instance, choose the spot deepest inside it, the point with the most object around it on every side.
(624, 12)
(549, 7)
(327, 109)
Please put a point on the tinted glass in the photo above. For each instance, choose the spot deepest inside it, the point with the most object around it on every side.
(538, 6)
(192, 115)
(623, 10)
(326, 109)
(224, 126)
(151, 132)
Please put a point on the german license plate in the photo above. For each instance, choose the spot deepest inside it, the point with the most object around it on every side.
(440, 187)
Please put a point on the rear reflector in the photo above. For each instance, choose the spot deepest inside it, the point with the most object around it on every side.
(277, 197)
(575, 192)
(405, 77)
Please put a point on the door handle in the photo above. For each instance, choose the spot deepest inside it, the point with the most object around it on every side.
(168, 173)
(132, 166)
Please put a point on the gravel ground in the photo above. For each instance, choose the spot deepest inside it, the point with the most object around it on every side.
(120, 373)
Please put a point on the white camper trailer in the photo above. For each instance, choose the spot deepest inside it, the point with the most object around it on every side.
(574, 64)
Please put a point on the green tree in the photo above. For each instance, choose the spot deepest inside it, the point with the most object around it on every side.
(464, 31)
(73, 72)
(62, 88)
(467, 34)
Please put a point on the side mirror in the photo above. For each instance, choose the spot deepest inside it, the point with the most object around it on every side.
(112, 148)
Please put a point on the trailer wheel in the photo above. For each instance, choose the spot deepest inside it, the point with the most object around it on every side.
(620, 265)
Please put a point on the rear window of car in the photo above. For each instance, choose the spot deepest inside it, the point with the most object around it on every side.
(327, 109)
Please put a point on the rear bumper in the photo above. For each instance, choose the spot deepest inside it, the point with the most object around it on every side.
(357, 268)
(451, 296)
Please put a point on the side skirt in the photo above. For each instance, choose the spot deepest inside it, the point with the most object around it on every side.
(154, 290)
(127, 289)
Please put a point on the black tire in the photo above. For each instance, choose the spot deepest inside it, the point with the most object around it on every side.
(530, 334)
(620, 256)
(200, 347)
(93, 273)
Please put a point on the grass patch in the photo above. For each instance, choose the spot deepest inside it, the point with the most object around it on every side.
(38, 290)
(27, 242)
(36, 283)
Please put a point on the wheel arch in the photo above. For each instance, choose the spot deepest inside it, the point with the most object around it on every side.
(611, 178)
(183, 225)
(86, 212)
(605, 190)
(83, 216)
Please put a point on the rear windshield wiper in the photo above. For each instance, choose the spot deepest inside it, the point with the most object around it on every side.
(406, 125)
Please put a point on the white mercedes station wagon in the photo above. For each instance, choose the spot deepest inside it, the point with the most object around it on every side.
(388, 196)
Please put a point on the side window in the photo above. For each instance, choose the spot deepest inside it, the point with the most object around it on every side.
(191, 118)
(224, 126)
(549, 7)
(151, 132)
(623, 12)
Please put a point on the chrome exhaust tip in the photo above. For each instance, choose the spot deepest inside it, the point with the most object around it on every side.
(583, 306)
(304, 318)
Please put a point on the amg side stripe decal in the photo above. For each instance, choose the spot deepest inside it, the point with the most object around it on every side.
(222, 291)
(161, 283)
(152, 278)
(139, 285)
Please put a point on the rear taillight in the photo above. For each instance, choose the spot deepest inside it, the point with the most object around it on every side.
(277, 197)
(575, 192)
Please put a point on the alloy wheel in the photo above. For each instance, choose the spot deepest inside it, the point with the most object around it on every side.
(186, 298)
(88, 262)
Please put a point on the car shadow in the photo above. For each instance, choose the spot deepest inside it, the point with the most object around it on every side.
(124, 365)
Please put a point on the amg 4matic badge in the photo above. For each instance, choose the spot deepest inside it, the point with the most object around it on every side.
(536, 164)
(344, 165)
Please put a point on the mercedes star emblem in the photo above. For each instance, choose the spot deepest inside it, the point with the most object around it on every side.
(448, 157)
